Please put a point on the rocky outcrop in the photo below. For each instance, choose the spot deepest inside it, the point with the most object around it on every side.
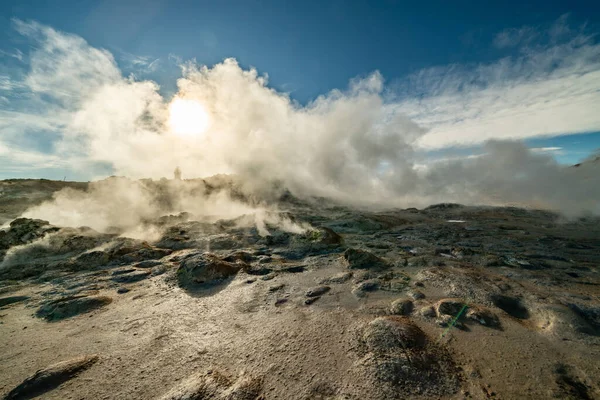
(68, 307)
(205, 269)
(362, 259)
(50, 377)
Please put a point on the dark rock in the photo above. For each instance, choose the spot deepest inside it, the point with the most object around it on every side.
(158, 270)
(294, 269)
(122, 290)
(257, 270)
(362, 259)
(205, 269)
(93, 259)
(122, 271)
(51, 377)
(24, 230)
(148, 264)
(143, 254)
(311, 300)
(262, 259)
(132, 277)
(329, 236)
(5, 301)
(243, 256)
(281, 301)
(415, 294)
(70, 306)
(443, 207)
(317, 291)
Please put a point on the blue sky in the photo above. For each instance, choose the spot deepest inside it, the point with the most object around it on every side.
(455, 68)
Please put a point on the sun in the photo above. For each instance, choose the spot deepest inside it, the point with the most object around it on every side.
(188, 117)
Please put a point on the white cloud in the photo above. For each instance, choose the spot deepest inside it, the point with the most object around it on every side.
(353, 145)
(545, 149)
(546, 90)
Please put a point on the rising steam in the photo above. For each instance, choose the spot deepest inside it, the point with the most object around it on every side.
(353, 146)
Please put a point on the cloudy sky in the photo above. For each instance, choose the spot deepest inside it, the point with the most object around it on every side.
(86, 87)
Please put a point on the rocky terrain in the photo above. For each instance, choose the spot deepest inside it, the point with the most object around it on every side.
(320, 301)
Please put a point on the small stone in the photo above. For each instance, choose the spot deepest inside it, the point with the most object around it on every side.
(311, 300)
(131, 277)
(275, 288)
(122, 290)
(281, 301)
(317, 291)
(416, 294)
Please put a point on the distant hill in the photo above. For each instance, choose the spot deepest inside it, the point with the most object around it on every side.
(17, 195)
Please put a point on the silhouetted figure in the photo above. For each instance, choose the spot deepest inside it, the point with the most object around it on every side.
(177, 174)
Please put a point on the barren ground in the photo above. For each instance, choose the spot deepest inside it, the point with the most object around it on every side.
(498, 303)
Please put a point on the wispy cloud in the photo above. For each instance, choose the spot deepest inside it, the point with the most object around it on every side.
(545, 149)
(17, 54)
(547, 89)
(513, 37)
(144, 64)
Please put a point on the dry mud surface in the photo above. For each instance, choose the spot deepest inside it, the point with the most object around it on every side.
(446, 302)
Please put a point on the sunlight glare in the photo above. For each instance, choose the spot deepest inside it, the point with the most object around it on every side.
(187, 117)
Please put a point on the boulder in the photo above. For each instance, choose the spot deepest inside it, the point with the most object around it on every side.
(70, 306)
(362, 259)
(205, 269)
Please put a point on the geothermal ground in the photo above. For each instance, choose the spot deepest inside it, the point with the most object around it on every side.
(316, 301)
